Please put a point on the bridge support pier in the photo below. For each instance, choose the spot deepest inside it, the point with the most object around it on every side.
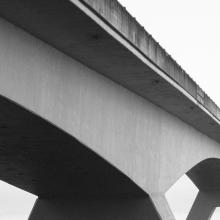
(204, 205)
(94, 209)
(162, 206)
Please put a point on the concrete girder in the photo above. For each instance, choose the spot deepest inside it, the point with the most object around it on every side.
(161, 204)
(86, 31)
(149, 146)
(100, 113)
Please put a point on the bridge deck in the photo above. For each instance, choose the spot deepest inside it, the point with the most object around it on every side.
(103, 36)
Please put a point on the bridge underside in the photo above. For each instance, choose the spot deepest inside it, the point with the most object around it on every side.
(122, 152)
(73, 181)
(72, 27)
(206, 176)
(67, 176)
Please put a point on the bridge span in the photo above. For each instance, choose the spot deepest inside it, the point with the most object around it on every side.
(96, 119)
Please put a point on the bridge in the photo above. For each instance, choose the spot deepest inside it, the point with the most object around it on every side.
(96, 118)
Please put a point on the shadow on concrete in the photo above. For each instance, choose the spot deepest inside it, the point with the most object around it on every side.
(206, 174)
(69, 178)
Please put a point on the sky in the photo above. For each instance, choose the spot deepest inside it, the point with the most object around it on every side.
(15, 204)
(189, 31)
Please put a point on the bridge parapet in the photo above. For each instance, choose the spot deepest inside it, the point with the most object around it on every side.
(120, 19)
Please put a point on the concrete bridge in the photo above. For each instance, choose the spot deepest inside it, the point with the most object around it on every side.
(97, 119)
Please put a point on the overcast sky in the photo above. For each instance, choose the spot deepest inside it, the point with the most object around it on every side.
(190, 32)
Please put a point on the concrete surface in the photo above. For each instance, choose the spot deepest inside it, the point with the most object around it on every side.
(74, 115)
(105, 39)
(94, 209)
(204, 205)
(117, 16)
(74, 137)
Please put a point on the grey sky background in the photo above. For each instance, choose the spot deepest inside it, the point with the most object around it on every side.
(15, 204)
(190, 31)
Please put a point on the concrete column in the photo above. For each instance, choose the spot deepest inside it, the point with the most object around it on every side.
(204, 205)
(94, 209)
(162, 206)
